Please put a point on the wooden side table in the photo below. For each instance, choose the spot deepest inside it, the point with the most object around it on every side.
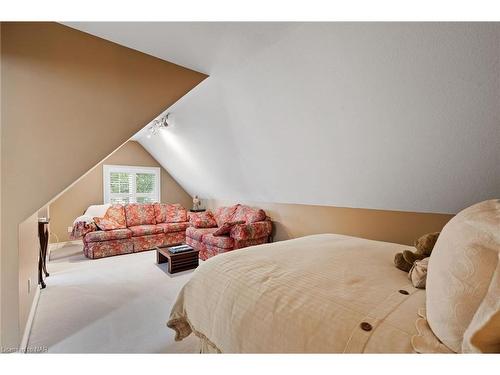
(43, 236)
(177, 262)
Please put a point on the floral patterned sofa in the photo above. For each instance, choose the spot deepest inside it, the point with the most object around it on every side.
(226, 229)
(135, 227)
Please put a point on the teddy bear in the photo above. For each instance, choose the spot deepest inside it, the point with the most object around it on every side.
(424, 245)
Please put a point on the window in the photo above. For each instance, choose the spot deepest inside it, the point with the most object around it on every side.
(124, 184)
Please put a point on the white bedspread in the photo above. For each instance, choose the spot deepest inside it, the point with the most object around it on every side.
(307, 295)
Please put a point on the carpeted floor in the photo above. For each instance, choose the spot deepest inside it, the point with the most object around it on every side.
(111, 305)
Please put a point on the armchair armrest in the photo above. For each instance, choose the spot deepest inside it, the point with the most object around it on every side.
(251, 231)
(202, 220)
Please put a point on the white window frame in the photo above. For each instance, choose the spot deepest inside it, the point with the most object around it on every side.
(108, 169)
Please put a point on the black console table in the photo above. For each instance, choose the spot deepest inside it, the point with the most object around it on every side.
(43, 236)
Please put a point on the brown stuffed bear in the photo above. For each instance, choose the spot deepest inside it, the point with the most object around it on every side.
(424, 245)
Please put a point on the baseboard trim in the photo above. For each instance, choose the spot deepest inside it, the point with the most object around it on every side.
(58, 245)
(29, 322)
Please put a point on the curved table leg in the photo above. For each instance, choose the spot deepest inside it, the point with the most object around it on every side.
(43, 239)
(44, 252)
(40, 275)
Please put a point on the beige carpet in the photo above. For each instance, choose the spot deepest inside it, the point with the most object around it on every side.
(112, 305)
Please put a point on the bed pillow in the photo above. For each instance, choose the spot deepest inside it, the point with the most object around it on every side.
(226, 227)
(202, 220)
(483, 334)
(463, 269)
(106, 224)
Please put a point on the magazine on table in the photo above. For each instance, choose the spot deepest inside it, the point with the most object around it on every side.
(180, 248)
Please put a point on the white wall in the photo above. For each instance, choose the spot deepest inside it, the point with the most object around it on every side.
(389, 116)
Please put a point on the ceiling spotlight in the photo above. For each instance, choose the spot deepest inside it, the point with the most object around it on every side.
(159, 124)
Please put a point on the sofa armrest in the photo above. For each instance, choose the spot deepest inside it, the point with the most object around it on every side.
(81, 228)
(202, 219)
(251, 231)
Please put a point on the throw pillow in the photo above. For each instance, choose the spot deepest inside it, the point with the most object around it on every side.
(226, 227)
(116, 213)
(223, 214)
(202, 220)
(249, 214)
(106, 224)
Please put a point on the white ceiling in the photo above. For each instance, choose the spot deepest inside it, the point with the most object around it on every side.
(389, 116)
(208, 47)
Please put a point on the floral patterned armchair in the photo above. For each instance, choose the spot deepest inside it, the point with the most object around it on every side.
(226, 229)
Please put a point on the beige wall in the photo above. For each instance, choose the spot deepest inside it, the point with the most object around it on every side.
(296, 220)
(29, 247)
(89, 189)
(68, 100)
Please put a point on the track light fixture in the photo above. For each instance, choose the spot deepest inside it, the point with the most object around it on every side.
(158, 124)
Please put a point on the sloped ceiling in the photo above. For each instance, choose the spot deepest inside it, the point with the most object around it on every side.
(389, 116)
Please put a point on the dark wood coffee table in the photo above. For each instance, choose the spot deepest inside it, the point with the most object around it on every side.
(177, 262)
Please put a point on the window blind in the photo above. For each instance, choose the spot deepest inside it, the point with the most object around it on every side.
(126, 184)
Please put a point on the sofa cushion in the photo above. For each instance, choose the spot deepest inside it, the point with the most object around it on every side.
(248, 214)
(202, 220)
(197, 233)
(226, 227)
(224, 242)
(140, 214)
(107, 235)
(173, 227)
(105, 224)
(144, 230)
(170, 213)
(116, 213)
(224, 214)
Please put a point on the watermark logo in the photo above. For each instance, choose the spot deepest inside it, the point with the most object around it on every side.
(29, 349)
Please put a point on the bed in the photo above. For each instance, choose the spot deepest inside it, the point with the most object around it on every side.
(339, 294)
(321, 293)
